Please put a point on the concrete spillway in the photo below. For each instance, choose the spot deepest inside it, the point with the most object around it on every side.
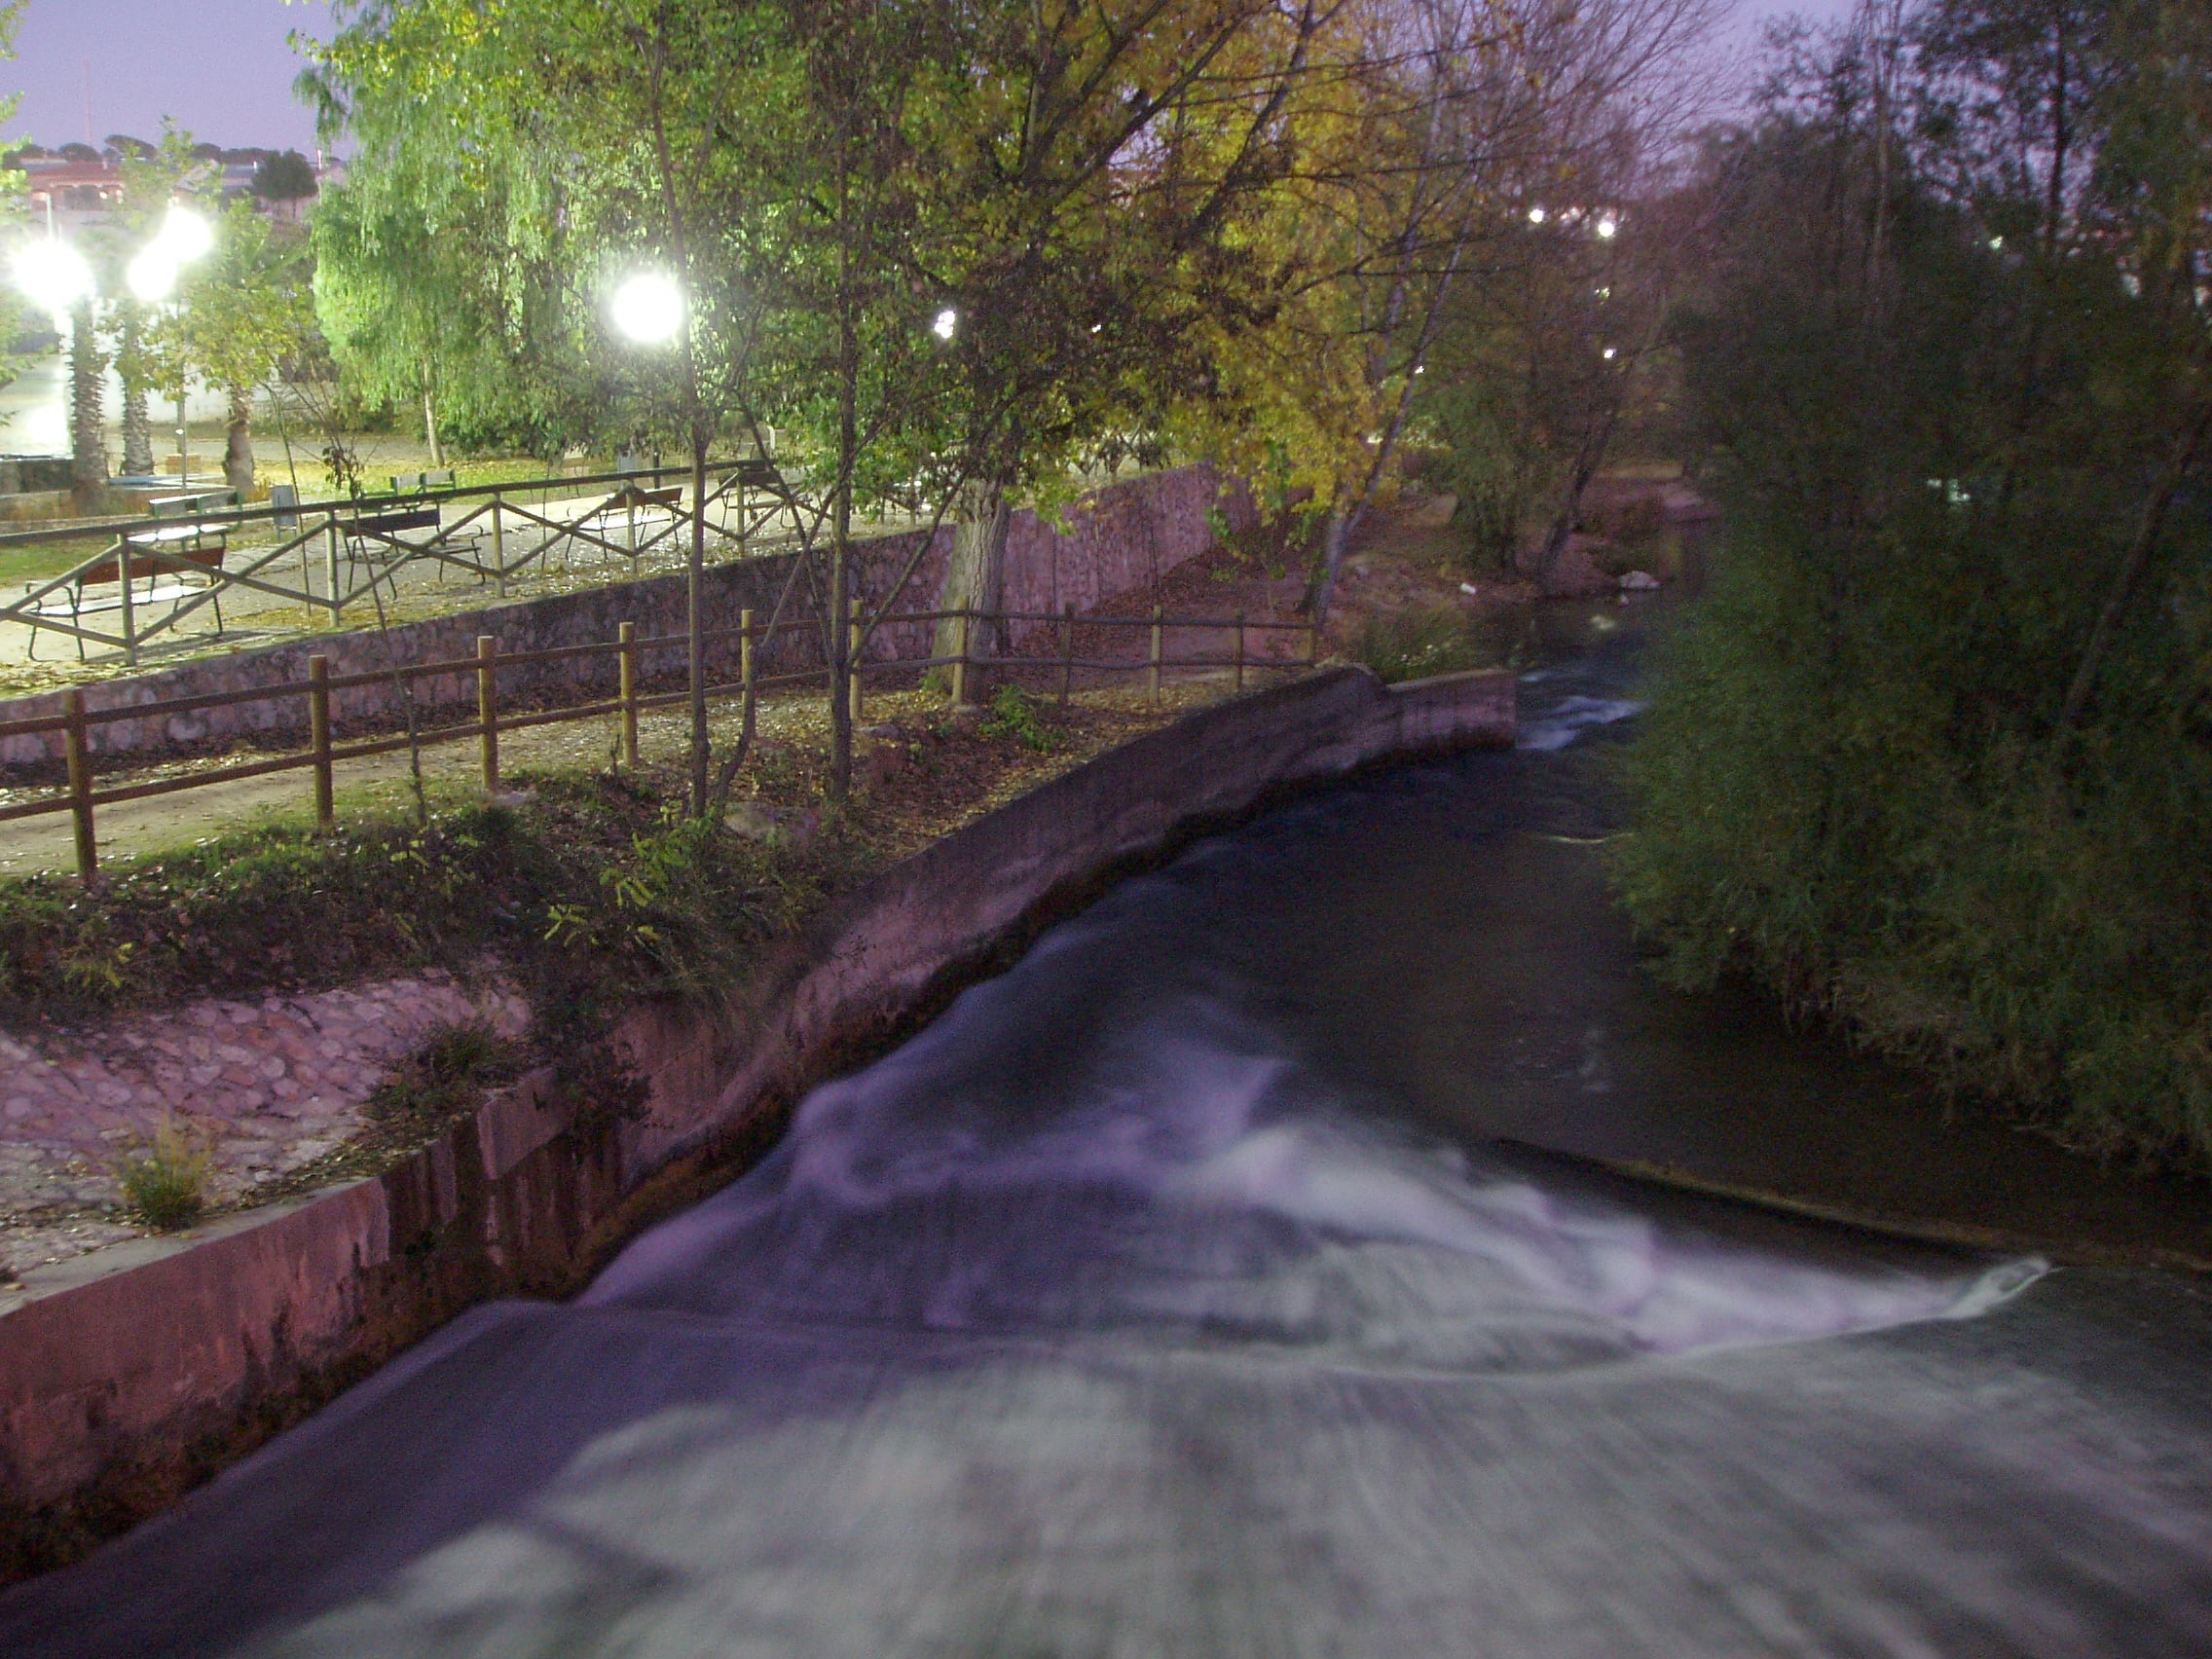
(1166, 1297)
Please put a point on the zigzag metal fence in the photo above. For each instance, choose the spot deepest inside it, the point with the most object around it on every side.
(82, 796)
(358, 547)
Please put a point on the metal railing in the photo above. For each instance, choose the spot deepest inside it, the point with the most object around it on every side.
(366, 543)
(82, 795)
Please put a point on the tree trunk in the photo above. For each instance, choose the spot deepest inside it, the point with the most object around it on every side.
(840, 559)
(974, 576)
(2134, 564)
(137, 424)
(695, 638)
(431, 428)
(237, 450)
(88, 437)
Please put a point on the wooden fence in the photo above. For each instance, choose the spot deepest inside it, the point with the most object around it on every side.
(82, 796)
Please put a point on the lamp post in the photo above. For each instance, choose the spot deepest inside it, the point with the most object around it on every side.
(57, 278)
(650, 309)
(152, 278)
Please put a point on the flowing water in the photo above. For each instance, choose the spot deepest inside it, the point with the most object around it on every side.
(1170, 1296)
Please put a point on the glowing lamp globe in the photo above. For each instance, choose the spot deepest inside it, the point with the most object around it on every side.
(649, 307)
(52, 275)
(185, 236)
(152, 275)
(947, 323)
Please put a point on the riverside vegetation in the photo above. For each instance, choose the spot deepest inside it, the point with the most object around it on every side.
(1934, 757)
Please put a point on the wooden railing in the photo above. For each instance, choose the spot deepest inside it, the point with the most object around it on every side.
(82, 796)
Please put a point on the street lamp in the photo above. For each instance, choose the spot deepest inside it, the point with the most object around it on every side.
(948, 323)
(649, 307)
(152, 278)
(52, 275)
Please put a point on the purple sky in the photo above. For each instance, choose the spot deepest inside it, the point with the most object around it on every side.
(222, 69)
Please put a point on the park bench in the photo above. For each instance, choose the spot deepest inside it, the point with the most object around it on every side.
(179, 533)
(421, 483)
(621, 511)
(383, 537)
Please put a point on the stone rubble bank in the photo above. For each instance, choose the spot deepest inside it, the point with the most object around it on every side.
(266, 1085)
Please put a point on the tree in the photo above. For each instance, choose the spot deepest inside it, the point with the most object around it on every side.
(152, 177)
(1935, 756)
(286, 177)
(247, 308)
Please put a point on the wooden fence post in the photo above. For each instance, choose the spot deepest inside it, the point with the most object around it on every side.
(853, 664)
(81, 786)
(1067, 652)
(330, 567)
(318, 735)
(129, 618)
(1156, 654)
(1240, 652)
(626, 638)
(960, 658)
(488, 707)
(744, 670)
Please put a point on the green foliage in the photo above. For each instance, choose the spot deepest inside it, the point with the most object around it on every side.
(1414, 645)
(1860, 781)
(445, 1075)
(592, 891)
(166, 1183)
(1013, 715)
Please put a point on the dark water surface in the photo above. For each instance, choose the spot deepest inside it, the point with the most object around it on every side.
(1168, 1296)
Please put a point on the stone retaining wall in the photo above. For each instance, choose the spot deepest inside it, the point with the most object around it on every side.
(1119, 538)
(118, 1389)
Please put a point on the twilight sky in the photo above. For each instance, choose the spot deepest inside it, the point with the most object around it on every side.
(222, 67)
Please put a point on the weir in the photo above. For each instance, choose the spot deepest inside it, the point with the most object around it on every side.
(1175, 1292)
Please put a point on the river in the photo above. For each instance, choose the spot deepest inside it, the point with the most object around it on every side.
(1173, 1294)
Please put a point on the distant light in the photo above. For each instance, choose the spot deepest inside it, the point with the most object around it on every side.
(1535, 215)
(1610, 353)
(649, 307)
(185, 235)
(52, 275)
(1606, 227)
(1997, 241)
(948, 321)
(152, 275)
(1420, 368)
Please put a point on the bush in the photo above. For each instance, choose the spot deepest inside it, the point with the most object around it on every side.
(167, 1184)
(1013, 715)
(1414, 645)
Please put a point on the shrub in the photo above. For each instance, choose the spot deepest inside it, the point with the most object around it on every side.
(166, 1183)
(1414, 645)
(1013, 715)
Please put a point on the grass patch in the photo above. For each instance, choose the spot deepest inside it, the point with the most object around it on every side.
(1013, 715)
(166, 1183)
(1414, 645)
(592, 888)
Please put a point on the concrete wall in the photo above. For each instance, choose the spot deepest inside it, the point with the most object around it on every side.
(1125, 537)
(119, 1387)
